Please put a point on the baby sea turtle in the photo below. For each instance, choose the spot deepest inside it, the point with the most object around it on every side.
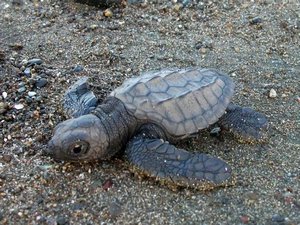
(149, 113)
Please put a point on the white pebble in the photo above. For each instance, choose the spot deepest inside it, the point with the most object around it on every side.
(24, 62)
(31, 93)
(19, 106)
(272, 93)
(4, 95)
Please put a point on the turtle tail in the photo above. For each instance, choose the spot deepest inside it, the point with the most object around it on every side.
(177, 167)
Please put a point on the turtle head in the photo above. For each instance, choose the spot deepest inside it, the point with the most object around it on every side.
(78, 139)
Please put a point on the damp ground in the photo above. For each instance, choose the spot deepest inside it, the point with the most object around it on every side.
(255, 42)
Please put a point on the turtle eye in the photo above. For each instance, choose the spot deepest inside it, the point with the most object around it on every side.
(79, 148)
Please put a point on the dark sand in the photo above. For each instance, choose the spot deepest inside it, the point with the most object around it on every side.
(256, 43)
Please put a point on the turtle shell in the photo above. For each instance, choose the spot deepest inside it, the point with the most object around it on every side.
(181, 101)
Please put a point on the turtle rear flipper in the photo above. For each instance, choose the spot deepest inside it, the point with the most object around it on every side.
(173, 166)
(79, 99)
(245, 123)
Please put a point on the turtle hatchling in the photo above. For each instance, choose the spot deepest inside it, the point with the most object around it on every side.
(147, 115)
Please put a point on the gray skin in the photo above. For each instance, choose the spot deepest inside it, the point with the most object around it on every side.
(149, 113)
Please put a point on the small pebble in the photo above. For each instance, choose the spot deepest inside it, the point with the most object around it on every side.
(61, 220)
(255, 20)
(136, 1)
(31, 93)
(278, 218)
(4, 95)
(251, 197)
(272, 93)
(236, 49)
(3, 107)
(28, 99)
(38, 98)
(41, 82)
(245, 219)
(78, 206)
(77, 69)
(107, 13)
(19, 106)
(36, 114)
(32, 62)
(17, 2)
(177, 7)
(27, 72)
(205, 43)
(7, 158)
(215, 131)
(203, 50)
(41, 219)
(2, 55)
(17, 46)
(21, 89)
(21, 84)
(107, 184)
(40, 200)
(94, 26)
(185, 2)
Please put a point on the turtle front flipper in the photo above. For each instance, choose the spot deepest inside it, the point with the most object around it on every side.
(173, 166)
(79, 99)
(245, 123)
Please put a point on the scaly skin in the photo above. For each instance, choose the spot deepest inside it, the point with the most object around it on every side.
(146, 113)
(107, 131)
(168, 164)
(244, 123)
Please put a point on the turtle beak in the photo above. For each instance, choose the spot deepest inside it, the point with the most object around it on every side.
(49, 149)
